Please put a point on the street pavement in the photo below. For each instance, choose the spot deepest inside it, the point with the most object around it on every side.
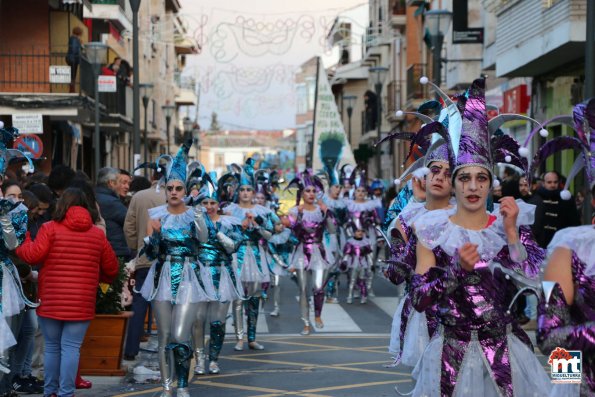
(346, 358)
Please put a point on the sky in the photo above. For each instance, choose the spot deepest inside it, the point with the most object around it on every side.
(250, 52)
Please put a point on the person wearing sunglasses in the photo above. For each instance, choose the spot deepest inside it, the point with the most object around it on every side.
(174, 284)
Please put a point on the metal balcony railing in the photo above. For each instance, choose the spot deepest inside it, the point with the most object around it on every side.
(29, 71)
(415, 90)
(121, 3)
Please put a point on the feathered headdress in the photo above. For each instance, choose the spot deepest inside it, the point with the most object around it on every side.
(7, 137)
(175, 167)
(358, 178)
(303, 180)
(583, 123)
(330, 148)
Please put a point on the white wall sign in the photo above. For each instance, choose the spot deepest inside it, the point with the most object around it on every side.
(107, 83)
(28, 123)
(59, 74)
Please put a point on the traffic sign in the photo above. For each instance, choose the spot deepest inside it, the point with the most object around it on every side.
(30, 145)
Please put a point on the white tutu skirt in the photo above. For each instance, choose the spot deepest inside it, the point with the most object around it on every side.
(250, 272)
(317, 261)
(7, 339)
(416, 338)
(12, 297)
(228, 291)
(189, 289)
(474, 379)
(394, 346)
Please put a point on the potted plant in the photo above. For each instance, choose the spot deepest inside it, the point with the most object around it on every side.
(101, 352)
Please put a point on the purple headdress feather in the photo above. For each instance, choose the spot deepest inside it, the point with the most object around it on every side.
(553, 146)
(505, 149)
(302, 181)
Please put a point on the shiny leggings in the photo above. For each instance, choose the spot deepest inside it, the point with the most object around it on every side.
(276, 284)
(215, 312)
(317, 278)
(174, 325)
(252, 290)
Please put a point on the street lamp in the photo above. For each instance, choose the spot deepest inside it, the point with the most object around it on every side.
(437, 22)
(350, 100)
(135, 6)
(188, 125)
(97, 56)
(379, 74)
(146, 90)
(169, 111)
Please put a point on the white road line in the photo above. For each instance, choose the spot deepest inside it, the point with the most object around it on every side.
(387, 304)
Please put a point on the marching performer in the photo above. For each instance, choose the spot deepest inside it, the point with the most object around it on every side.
(256, 224)
(308, 221)
(566, 308)
(467, 266)
(175, 234)
(216, 256)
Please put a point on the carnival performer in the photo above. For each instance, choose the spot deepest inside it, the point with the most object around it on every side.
(13, 221)
(175, 232)
(357, 261)
(363, 210)
(566, 311)
(434, 179)
(308, 221)
(467, 266)
(216, 256)
(337, 205)
(280, 246)
(256, 224)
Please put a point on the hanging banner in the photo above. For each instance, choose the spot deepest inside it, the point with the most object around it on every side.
(331, 147)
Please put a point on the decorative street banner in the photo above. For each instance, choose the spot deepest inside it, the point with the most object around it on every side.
(331, 148)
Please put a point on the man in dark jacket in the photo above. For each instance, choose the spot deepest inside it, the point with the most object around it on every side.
(112, 210)
(557, 213)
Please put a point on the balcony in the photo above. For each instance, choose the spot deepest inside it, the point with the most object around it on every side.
(29, 72)
(374, 39)
(416, 90)
(116, 11)
(398, 18)
(393, 97)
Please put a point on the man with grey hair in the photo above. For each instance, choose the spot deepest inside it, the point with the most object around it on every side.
(112, 210)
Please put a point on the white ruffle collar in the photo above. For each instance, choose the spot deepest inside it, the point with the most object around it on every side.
(162, 213)
(314, 216)
(334, 203)
(358, 243)
(435, 228)
(239, 212)
(369, 205)
(581, 241)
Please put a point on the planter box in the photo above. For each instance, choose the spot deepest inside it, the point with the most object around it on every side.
(101, 352)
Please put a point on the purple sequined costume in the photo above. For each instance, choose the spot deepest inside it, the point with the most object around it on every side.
(479, 351)
(572, 327)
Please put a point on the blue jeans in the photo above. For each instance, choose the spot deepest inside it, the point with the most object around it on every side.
(21, 365)
(139, 309)
(63, 340)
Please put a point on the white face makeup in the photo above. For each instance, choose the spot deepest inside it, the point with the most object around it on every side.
(211, 206)
(175, 192)
(361, 194)
(309, 195)
(246, 194)
(438, 181)
(472, 186)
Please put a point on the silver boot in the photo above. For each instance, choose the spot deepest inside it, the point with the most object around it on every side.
(182, 392)
(214, 367)
(199, 355)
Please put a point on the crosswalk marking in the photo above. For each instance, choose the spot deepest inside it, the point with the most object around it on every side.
(261, 325)
(335, 319)
(387, 304)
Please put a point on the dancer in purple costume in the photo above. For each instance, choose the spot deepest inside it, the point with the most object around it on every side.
(308, 221)
(467, 266)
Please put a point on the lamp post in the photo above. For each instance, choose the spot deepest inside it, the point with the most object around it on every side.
(169, 111)
(378, 74)
(97, 56)
(350, 100)
(146, 90)
(135, 6)
(437, 22)
(188, 125)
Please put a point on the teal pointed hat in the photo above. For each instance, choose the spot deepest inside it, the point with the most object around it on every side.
(175, 168)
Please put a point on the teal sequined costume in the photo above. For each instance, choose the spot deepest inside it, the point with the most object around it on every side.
(13, 221)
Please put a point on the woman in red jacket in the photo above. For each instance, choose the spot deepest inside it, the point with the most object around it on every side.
(75, 256)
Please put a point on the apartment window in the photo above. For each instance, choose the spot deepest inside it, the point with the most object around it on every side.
(302, 99)
(220, 160)
(153, 112)
(311, 84)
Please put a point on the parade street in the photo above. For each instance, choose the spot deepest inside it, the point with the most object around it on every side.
(347, 358)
